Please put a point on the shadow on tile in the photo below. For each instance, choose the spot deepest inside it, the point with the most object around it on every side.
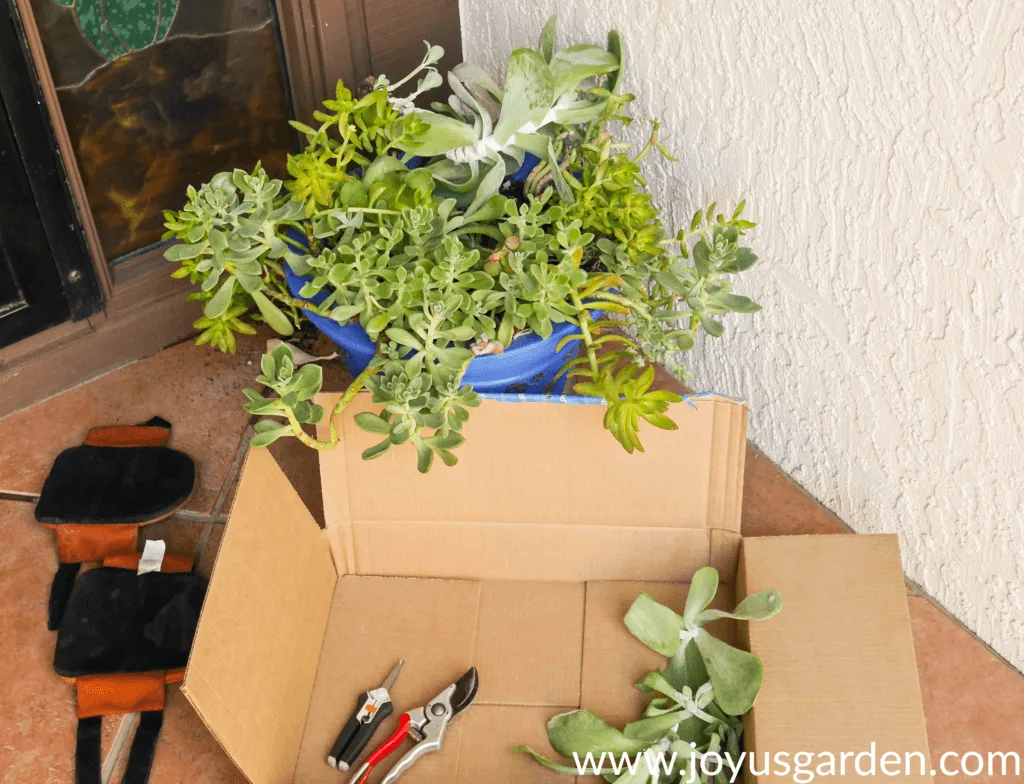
(197, 390)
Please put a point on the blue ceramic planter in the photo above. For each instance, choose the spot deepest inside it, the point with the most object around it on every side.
(529, 365)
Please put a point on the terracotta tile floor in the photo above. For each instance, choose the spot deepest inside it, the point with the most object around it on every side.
(973, 700)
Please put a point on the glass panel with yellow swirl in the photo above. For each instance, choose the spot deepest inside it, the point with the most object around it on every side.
(160, 94)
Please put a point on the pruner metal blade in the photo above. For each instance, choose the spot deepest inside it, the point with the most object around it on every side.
(393, 675)
(465, 691)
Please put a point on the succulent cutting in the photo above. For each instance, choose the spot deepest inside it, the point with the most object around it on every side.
(449, 233)
(698, 699)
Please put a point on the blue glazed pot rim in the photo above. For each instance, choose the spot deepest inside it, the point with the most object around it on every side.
(522, 342)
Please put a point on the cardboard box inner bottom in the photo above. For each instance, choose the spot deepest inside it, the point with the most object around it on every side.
(514, 563)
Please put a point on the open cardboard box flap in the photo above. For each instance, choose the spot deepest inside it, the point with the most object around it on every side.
(522, 561)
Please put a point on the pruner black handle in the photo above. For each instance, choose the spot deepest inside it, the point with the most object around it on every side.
(356, 733)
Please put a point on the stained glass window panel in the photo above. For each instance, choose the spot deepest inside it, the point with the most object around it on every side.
(160, 94)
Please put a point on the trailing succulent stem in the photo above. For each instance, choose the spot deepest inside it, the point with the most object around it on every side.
(449, 255)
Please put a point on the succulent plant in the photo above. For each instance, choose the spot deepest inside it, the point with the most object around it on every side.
(398, 218)
(484, 131)
(697, 702)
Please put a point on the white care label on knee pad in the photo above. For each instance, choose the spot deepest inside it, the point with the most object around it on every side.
(152, 556)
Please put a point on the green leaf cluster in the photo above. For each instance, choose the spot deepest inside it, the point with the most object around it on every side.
(448, 260)
(295, 388)
(484, 130)
(698, 699)
(352, 133)
(232, 245)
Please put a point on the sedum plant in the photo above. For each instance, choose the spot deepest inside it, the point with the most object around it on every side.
(407, 222)
(698, 699)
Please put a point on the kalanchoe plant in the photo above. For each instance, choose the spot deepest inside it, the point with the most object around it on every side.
(443, 256)
(699, 698)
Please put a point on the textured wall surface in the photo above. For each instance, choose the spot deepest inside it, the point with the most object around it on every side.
(880, 145)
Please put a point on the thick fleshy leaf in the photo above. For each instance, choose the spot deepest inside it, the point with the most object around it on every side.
(546, 47)
(686, 668)
(737, 303)
(571, 66)
(653, 728)
(703, 588)
(735, 675)
(569, 770)
(757, 607)
(220, 302)
(275, 318)
(268, 435)
(533, 143)
(376, 450)
(528, 93)
(489, 186)
(308, 380)
(582, 732)
(445, 134)
(381, 167)
(467, 72)
(655, 625)
(404, 338)
(558, 177)
(424, 456)
(712, 327)
(655, 681)
(182, 252)
(618, 48)
(372, 423)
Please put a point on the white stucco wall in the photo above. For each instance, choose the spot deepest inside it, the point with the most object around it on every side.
(880, 144)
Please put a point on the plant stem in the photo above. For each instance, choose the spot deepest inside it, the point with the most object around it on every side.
(356, 385)
(301, 304)
(588, 340)
(297, 245)
(616, 298)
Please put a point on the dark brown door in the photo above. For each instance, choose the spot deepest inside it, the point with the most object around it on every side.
(45, 275)
(31, 295)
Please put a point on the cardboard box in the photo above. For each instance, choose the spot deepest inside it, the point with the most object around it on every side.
(522, 561)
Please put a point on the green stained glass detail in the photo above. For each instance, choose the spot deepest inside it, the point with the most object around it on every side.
(117, 27)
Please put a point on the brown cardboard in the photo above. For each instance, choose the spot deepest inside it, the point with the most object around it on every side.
(253, 665)
(487, 511)
(532, 633)
(521, 561)
(485, 756)
(840, 670)
(374, 622)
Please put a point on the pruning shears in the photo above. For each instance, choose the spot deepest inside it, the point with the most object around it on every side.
(371, 709)
(425, 726)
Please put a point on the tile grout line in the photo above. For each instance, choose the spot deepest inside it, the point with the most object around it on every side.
(233, 471)
(127, 726)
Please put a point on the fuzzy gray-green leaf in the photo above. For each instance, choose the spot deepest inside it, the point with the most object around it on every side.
(735, 675)
(758, 606)
(275, 318)
(703, 588)
(655, 625)
(582, 732)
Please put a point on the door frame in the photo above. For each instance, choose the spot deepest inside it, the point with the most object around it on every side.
(41, 159)
(141, 308)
